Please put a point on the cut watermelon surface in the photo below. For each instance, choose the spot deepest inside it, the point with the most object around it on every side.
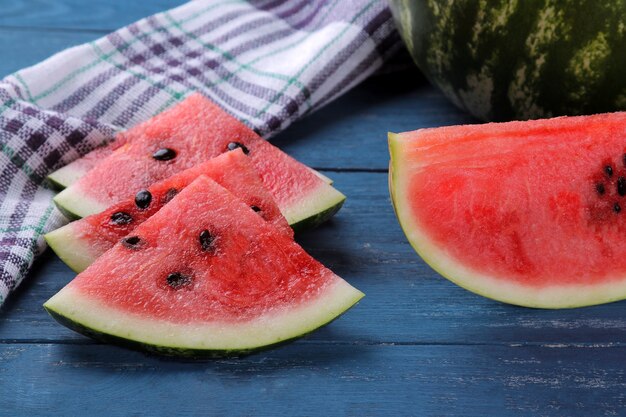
(190, 133)
(75, 170)
(81, 242)
(204, 276)
(529, 213)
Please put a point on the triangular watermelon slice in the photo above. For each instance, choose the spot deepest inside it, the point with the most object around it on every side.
(192, 132)
(79, 243)
(205, 276)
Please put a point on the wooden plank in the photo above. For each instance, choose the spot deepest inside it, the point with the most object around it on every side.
(22, 48)
(305, 379)
(405, 301)
(94, 15)
(351, 133)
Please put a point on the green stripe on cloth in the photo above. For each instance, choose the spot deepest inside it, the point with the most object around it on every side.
(278, 61)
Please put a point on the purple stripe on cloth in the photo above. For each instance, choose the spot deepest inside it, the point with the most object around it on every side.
(268, 62)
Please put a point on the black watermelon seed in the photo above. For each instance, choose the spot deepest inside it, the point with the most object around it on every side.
(120, 217)
(234, 145)
(600, 188)
(617, 208)
(255, 208)
(143, 199)
(171, 193)
(164, 154)
(206, 240)
(177, 280)
(621, 186)
(608, 170)
(131, 242)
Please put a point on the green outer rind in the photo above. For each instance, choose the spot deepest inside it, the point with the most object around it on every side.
(55, 182)
(172, 351)
(510, 295)
(503, 60)
(66, 244)
(184, 352)
(315, 220)
(75, 206)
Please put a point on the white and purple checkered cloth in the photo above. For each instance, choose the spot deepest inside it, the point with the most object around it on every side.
(266, 62)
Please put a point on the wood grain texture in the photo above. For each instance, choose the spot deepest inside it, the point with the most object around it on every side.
(416, 345)
(351, 133)
(309, 378)
(406, 301)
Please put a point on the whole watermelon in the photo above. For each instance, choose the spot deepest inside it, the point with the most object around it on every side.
(514, 59)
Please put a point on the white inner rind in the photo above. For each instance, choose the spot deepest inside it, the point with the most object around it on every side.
(314, 202)
(268, 329)
(66, 175)
(498, 288)
(72, 200)
(68, 244)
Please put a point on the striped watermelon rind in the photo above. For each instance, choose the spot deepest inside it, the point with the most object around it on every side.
(503, 60)
(309, 211)
(96, 320)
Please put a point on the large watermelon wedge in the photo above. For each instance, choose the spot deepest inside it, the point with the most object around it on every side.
(190, 133)
(206, 277)
(79, 243)
(529, 213)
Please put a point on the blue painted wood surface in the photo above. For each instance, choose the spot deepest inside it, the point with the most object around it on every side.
(416, 345)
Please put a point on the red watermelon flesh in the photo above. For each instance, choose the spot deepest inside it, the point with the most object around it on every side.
(191, 132)
(243, 286)
(79, 243)
(530, 213)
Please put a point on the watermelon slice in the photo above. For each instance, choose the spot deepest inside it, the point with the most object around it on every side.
(79, 243)
(75, 170)
(205, 276)
(188, 134)
(529, 213)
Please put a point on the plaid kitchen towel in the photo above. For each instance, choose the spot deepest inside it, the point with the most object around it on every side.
(265, 62)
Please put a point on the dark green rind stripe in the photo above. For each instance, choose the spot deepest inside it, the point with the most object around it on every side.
(318, 218)
(68, 213)
(173, 351)
(305, 224)
(535, 60)
(56, 185)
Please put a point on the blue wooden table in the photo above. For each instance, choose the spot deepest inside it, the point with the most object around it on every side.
(416, 345)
